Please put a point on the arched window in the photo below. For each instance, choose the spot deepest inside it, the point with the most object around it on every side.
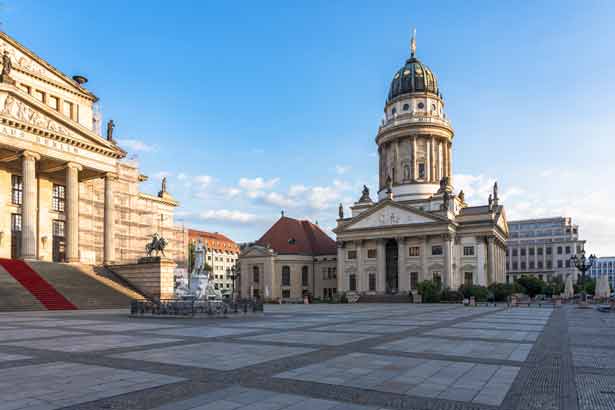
(285, 275)
(406, 107)
(255, 274)
(394, 111)
(305, 280)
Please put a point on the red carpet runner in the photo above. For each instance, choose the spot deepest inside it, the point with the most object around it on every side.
(36, 285)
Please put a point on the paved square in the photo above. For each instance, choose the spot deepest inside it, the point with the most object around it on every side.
(5, 357)
(220, 356)
(61, 384)
(478, 383)
(310, 338)
(242, 398)
(514, 335)
(366, 328)
(91, 343)
(467, 348)
(406, 357)
(202, 331)
(29, 333)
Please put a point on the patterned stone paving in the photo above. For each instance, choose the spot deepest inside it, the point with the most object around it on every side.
(341, 357)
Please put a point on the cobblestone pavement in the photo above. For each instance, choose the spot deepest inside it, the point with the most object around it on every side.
(338, 357)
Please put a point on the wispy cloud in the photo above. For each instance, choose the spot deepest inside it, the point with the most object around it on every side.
(136, 145)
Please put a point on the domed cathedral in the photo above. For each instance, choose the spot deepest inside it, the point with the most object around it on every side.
(418, 228)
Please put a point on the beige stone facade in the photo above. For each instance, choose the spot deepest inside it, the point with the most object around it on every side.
(66, 193)
(417, 228)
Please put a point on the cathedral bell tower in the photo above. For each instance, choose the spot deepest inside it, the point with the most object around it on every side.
(415, 138)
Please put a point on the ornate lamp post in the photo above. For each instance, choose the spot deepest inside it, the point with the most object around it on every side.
(583, 264)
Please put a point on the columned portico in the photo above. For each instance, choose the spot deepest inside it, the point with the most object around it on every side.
(72, 211)
(29, 206)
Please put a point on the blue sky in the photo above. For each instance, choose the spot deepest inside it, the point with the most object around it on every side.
(254, 107)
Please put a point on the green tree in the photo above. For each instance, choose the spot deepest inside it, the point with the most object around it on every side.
(479, 293)
(501, 291)
(533, 286)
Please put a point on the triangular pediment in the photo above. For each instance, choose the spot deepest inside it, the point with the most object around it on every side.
(502, 222)
(20, 107)
(25, 60)
(390, 213)
(256, 251)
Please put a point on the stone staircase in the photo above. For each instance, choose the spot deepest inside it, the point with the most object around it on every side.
(13, 296)
(83, 288)
(78, 285)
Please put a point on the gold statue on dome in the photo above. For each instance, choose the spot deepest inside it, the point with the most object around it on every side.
(413, 43)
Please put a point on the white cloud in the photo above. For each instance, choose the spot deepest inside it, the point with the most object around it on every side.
(342, 169)
(181, 176)
(297, 190)
(475, 187)
(136, 145)
(258, 183)
(203, 180)
(225, 215)
(277, 199)
(231, 192)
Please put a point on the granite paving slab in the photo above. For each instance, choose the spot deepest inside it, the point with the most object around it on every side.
(29, 333)
(310, 337)
(91, 343)
(467, 348)
(514, 335)
(216, 355)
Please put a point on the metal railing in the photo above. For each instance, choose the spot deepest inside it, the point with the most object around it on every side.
(191, 307)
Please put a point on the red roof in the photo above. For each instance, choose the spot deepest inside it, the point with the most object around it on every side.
(213, 240)
(294, 237)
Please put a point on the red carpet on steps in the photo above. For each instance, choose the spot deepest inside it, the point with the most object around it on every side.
(36, 285)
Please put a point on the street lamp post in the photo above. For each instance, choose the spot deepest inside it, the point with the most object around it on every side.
(583, 264)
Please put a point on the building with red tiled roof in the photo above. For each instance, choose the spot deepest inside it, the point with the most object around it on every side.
(221, 255)
(292, 259)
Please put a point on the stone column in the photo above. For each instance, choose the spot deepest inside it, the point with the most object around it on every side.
(424, 274)
(447, 279)
(342, 283)
(361, 282)
(490, 260)
(428, 159)
(414, 163)
(72, 212)
(29, 237)
(450, 162)
(381, 266)
(403, 279)
(434, 163)
(109, 247)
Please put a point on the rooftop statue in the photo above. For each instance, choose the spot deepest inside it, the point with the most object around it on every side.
(110, 128)
(7, 65)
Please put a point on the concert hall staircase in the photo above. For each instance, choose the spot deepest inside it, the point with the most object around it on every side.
(58, 286)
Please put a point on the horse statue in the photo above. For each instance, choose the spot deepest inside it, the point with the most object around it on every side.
(157, 244)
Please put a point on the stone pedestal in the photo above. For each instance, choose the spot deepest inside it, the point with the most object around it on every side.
(153, 275)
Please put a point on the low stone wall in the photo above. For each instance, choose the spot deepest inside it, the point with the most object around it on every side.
(154, 276)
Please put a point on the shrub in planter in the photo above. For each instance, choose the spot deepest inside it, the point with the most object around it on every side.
(501, 291)
(449, 295)
(430, 291)
(480, 293)
(533, 286)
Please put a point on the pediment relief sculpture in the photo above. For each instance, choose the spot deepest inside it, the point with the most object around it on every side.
(21, 111)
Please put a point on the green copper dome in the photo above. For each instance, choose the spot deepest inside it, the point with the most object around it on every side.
(414, 77)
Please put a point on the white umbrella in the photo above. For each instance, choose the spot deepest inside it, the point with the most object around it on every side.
(569, 288)
(602, 287)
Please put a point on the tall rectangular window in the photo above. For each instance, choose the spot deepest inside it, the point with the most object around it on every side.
(371, 254)
(421, 170)
(57, 228)
(468, 278)
(16, 189)
(414, 280)
(468, 251)
(437, 276)
(549, 250)
(15, 223)
(352, 254)
(305, 276)
(372, 281)
(57, 198)
(285, 275)
(414, 251)
(352, 282)
(436, 250)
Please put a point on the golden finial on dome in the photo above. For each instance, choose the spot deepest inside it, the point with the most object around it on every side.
(413, 43)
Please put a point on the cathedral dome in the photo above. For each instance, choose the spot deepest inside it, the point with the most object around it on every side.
(413, 77)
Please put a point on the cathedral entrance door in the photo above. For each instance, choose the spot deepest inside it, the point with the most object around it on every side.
(392, 278)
